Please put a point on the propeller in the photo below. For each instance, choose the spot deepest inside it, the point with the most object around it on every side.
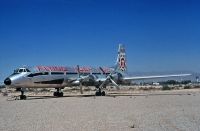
(80, 80)
(108, 78)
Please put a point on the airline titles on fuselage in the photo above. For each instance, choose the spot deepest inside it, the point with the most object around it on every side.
(71, 69)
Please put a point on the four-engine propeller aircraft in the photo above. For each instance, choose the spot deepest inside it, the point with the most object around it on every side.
(62, 76)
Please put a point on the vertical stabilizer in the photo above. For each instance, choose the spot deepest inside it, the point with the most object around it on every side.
(121, 64)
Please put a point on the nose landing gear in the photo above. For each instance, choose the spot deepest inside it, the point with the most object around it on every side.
(22, 96)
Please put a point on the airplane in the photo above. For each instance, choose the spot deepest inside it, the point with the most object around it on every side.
(59, 77)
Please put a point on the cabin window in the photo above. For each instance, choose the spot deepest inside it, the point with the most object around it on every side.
(57, 73)
(38, 74)
(71, 73)
(27, 70)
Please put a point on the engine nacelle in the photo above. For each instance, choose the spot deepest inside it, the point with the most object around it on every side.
(117, 77)
(90, 78)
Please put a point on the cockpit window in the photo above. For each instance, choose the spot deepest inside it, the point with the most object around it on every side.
(21, 70)
(27, 70)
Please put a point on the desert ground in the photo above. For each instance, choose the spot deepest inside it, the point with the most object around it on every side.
(130, 111)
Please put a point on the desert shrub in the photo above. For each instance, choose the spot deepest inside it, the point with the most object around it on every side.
(29, 89)
(44, 90)
(187, 87)
(145, 89)
(197, 86)
(185, 82)
(166, 87)
(87, 89)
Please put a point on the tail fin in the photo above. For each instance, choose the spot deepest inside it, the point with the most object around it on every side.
(121, 65)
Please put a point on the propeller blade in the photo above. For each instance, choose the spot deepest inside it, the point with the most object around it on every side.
(103, 83)
(114, 83)
(102, 70)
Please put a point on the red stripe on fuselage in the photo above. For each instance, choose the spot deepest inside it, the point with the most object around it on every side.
(52, 68)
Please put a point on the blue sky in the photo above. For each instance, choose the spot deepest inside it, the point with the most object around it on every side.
(159, 35)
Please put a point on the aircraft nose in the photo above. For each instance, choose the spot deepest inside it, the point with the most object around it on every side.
(7, 81)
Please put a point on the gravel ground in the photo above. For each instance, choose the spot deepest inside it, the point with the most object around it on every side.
(169, 112)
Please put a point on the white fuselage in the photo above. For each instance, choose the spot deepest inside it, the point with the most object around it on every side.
(53, 79)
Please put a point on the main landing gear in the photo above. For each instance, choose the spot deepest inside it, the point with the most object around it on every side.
(58, 93)
(100, 93)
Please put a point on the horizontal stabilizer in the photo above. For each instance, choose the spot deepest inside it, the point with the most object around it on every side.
(153, 77)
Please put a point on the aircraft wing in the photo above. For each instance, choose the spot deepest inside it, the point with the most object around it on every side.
(153, 77)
